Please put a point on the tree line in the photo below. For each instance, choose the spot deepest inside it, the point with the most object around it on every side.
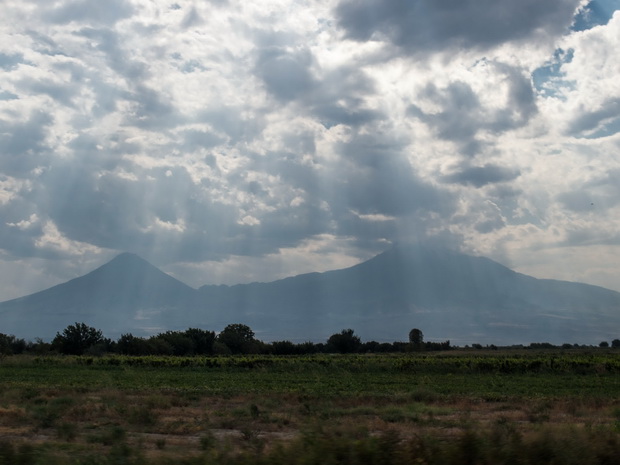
(81, 339)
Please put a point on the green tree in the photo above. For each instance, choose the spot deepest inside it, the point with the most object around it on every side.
(416, 339)
(128, 344)
(159, 346)
(179, 343)
(239, 339)
(344, 342)
(284, 348)
(9, 344)
(5, 344)
(76, 339)
(202, 340)
(615, 343)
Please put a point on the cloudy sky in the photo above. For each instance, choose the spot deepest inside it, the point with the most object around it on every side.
(231, 141)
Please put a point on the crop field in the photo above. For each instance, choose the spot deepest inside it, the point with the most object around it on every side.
(457, 407)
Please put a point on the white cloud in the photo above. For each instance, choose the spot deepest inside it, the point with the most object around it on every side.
(25, 224)
(240, 135)
(52, 240)
(591, 102)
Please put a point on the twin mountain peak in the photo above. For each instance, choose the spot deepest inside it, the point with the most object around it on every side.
(447, 294)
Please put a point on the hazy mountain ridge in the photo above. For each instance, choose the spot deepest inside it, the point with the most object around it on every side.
(117, 296)
(447, 294)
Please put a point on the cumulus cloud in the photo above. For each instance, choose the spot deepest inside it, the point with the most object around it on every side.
(462, 114)
(286, 136)
(587, 100)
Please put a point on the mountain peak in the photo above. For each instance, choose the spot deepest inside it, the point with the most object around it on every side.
(126, 294)
(450, 295)
(130, 270)
(127, 258)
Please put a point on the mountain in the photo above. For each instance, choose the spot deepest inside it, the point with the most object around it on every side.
(127, 294)
(449, 295)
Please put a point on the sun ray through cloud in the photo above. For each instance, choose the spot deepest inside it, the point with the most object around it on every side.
(226, 140)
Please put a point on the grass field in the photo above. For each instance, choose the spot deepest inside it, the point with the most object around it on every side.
(457, 407)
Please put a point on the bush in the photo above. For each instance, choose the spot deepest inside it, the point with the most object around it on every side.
(344, 342)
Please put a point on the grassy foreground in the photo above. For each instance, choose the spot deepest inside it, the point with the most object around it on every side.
(453, 408)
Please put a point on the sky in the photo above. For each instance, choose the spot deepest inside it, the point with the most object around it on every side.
(231, 141)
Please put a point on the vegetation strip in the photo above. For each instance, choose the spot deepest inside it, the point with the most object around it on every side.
(453, 407)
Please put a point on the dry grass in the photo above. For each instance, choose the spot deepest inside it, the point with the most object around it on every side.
(168, 425)
(171, 424)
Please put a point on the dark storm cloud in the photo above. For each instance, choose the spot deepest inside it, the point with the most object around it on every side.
(426, 26)
(462, 116)
(479, 176)
(23, 144)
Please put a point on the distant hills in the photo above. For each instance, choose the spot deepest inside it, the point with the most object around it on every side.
(449, 295)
